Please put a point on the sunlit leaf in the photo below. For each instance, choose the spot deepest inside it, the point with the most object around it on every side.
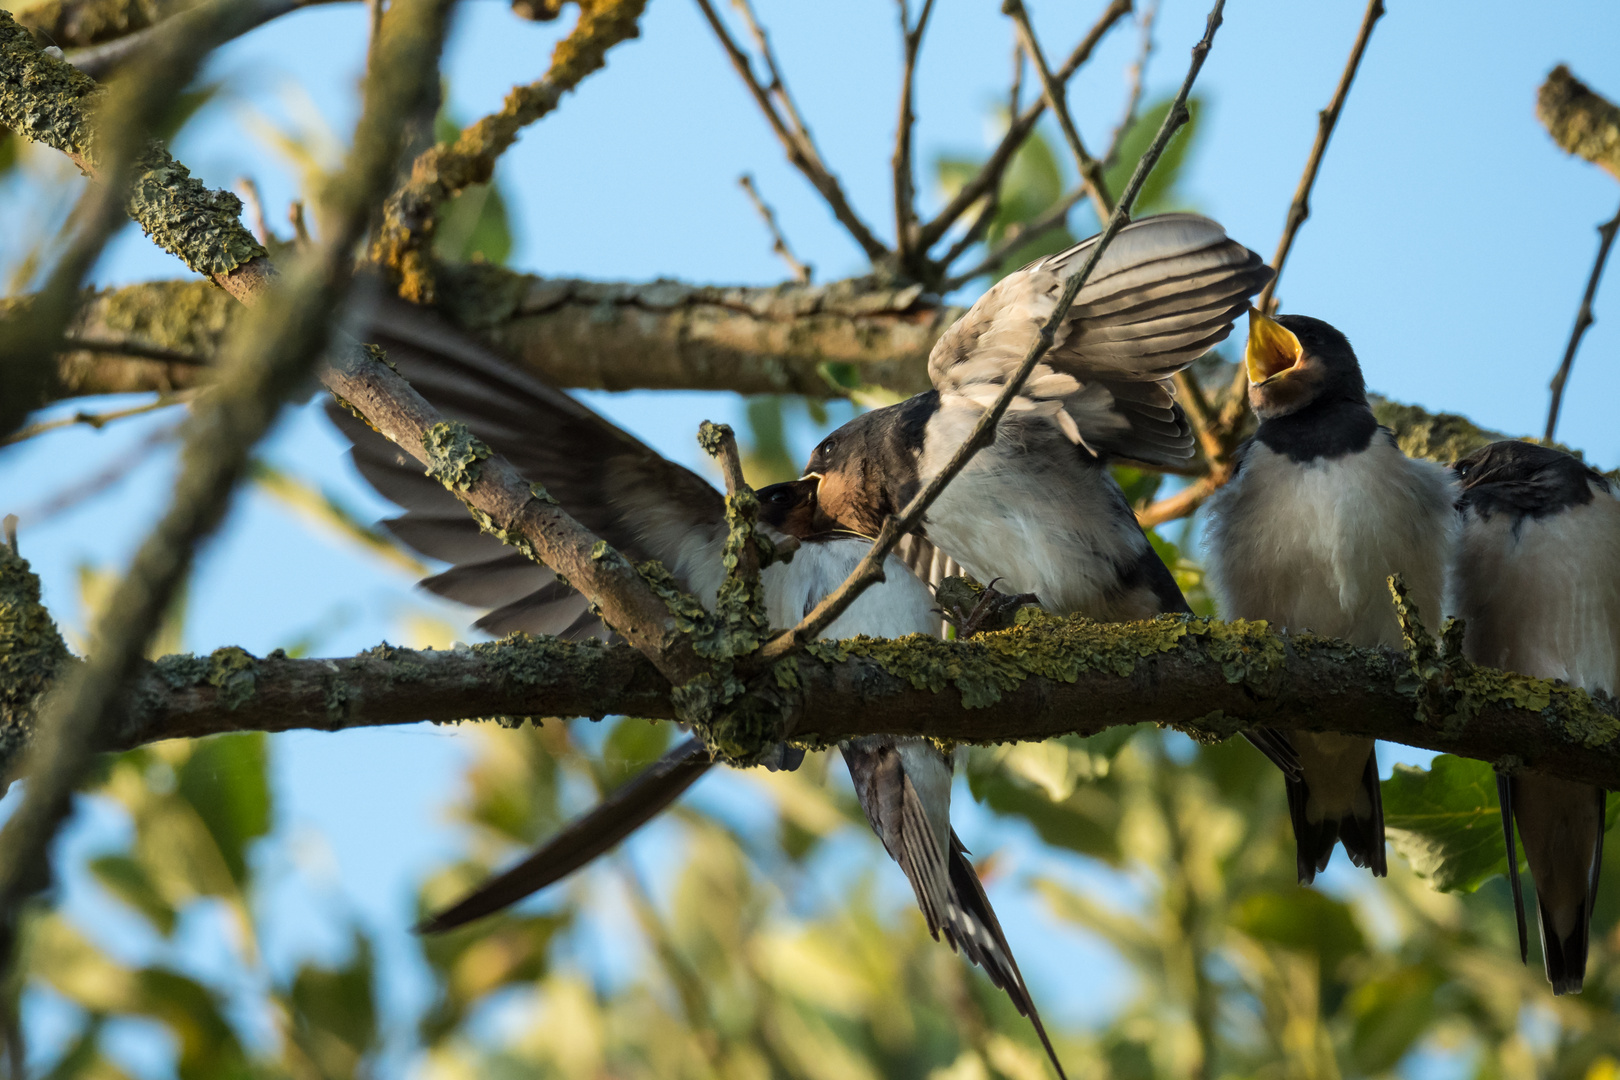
(127, 879)
(226, 779)
(1445, 820)
(334, 1012)
(1303, 920)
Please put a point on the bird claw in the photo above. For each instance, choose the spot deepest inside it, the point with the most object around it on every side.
(990, 610)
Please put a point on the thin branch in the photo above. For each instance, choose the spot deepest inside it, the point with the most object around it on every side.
(801, 271)
(990, 173)
(1300, 208)
(1179, 505)
(254, 201)
(1055, 217)
(1091, 173)
(870, 569)
(403, 242)
(905, 191)
(62, 501)
(1583, 319)
(720, 443)
(795, 139)
(1137, 75)
(1015, 89)
(96, 420)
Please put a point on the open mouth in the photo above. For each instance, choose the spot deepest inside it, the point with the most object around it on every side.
(1273, 349)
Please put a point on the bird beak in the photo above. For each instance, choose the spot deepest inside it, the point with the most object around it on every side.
(1273, 349)
(819, 520)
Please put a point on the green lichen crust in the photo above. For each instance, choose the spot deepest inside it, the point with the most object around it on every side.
(50, 101)
(455, 455)
(32, 654)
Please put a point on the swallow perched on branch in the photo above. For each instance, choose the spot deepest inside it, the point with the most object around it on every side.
(650, 507)
(1537, 584)
(1321, 508)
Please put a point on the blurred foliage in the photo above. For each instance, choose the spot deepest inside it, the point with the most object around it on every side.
(473, 226)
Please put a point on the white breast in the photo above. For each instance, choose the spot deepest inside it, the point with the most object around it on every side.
(899, 605)
(1310, 546)
(1029, 511)
(1543, 598)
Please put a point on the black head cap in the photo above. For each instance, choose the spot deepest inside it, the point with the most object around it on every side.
(1319, 366)
(1524, 479)
(789, 507)
(868, 467)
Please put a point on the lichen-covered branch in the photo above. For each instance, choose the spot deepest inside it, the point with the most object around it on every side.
(403, 243)
(1043, 678)
(1583, 123)
(75, 23)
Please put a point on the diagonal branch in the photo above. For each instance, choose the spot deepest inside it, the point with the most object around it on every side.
(870, 569)
(791, 131)
(1300, 208)
(1583, 319)
(905, 191)
(1581, 122)
(1091, 170)
(801, 271)
(1137, 74)
(403, 242)
(988, 178)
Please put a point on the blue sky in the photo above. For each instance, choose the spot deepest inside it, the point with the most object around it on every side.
(1450, 241)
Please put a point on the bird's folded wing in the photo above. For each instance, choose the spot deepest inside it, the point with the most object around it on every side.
(1164, 292)
(620, 489)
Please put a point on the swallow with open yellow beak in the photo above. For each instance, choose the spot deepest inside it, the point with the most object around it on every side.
(1537, 584)
(1321, 508)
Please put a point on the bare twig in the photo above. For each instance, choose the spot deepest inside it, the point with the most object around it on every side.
(1300, 208)
(793, 134)
(1179, 505)
(99, 61)
(905, 192)
(801, 271)
(990, 173)
(870, 568)
(1091, 173)
(62, 501)
(1137, 76)
(255, 205)
(1583, 319)
(96, 420)
(403, 243)
(1015, 90)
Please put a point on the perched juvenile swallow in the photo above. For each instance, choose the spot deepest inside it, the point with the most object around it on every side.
(1322, 507)
(650, 507)
(1537, 583)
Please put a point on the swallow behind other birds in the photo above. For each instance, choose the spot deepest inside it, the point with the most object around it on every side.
(1537, 584)
(650, 507)
(1321, 508)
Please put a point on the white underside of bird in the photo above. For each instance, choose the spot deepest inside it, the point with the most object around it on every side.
(1310, 546)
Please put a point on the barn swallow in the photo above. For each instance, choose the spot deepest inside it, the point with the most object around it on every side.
(1321, 508)
(650, 507)
(1536, 582)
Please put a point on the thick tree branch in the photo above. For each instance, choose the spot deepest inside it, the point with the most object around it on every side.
(101, 60)
(1045, 678)
(1581, 122)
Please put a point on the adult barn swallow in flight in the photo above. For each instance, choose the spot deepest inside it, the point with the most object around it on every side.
(1321, 508)
(650, 507)
(1537, 584)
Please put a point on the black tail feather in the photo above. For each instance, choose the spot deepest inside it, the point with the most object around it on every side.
(1504, 795)
(583, 839)
(1566, 959)
(1363, 838)
(998, 963)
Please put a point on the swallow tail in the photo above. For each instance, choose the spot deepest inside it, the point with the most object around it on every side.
(1561, 824)
(585, 838)
(1325, 811)
(904, 787)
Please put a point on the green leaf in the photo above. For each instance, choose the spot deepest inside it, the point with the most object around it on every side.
(1302, 920)
(630, 747)
(1446, 822)
(1391, 1012)
(226, 779)
(1158, 192)
(334, 1013)
(474, 225)
(128, 880)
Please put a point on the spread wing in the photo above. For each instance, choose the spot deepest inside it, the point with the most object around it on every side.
(643, 504)
(1164, 293)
